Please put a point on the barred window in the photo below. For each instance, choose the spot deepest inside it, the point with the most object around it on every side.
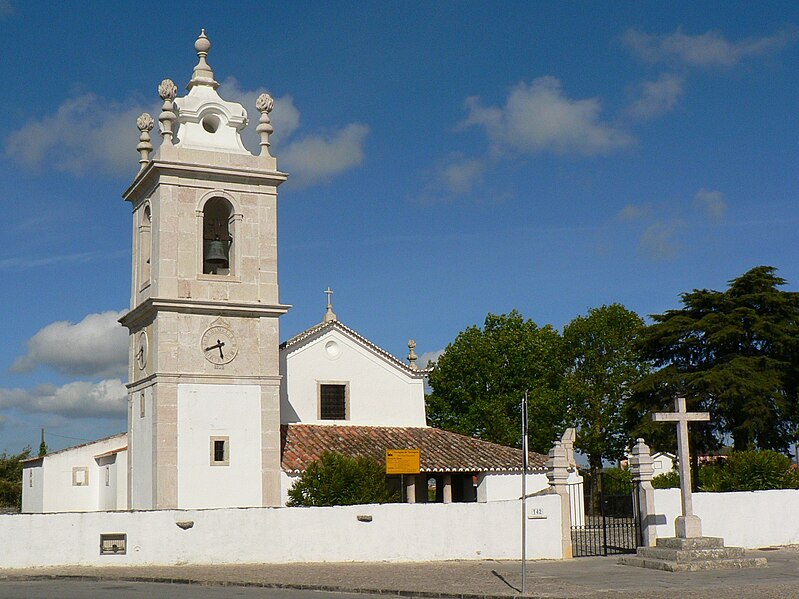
(333, 402)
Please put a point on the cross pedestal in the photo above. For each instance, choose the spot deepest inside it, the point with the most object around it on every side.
(688, 525)
(688, 550)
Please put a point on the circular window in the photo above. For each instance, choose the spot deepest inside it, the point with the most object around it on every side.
(211, 123)
(332, 349)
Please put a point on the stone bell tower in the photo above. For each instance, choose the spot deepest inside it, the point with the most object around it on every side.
(203, 391)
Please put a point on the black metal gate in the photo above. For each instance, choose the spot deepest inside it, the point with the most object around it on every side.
(606, 521)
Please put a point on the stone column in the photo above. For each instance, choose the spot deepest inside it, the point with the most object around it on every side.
(558, 474)
(642, 472)
(410, 488)
(447, 490)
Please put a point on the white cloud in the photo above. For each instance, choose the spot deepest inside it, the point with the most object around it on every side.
(315, 159)
(538, 118)
(106, 399)
(460, 176)
(658, 240)
(429, 356)
(6, 8)
(285, 117)
(706, 50)
(656, 97)
(309, 160)
(633, 212)
(97, 346)
(712, 203)
(84, 135)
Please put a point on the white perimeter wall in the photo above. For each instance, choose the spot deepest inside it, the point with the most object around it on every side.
(506, 486)
(380, 393)
(742, 519)
(397, 532)
(206, 411)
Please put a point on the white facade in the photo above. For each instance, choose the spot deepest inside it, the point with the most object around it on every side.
(89, 477)
(380, 390)
(663, 462)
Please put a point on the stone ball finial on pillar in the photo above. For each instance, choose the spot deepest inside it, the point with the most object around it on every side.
(264, 104)
(167, 91)
(412, 357)
(203, 73)
(145, 123)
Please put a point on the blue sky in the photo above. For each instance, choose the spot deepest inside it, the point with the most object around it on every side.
(446, 160)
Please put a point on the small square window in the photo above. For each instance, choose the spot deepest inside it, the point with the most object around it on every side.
(80, 476)
(113, 544)
(332, 402)
(220, 451)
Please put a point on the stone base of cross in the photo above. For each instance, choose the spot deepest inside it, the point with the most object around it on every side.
(688, 525)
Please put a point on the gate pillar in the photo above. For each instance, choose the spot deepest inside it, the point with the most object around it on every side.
(642, 472)
(558, 475)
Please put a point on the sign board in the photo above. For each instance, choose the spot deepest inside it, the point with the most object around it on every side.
(536, 513)
(402, 461)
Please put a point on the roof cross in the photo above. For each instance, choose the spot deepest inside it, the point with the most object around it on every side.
(681, 418)
(329, 315)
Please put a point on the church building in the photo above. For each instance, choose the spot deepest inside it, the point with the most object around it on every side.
(220, 413)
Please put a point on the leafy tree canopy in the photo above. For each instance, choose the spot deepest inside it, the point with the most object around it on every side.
(478, 383)
(336, 479)
(603, 365)
(734, 353)
(11, 478)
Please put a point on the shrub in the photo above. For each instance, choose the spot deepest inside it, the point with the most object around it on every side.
(11, 478)
(667, 480)
(749, 471)
(336, 479)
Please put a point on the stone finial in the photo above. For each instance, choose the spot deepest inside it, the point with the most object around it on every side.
(203, 74)
(167, 90)
(330, 316)
(145, 123)
(557, 465)
(412, 357)
(641, 466)
(567, 439)
(264, 104)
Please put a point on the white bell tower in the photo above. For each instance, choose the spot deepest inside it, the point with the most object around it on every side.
(203, 391)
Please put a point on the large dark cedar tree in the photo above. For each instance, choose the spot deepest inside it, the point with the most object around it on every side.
(478, 383)
(733, 353)
(602, 366)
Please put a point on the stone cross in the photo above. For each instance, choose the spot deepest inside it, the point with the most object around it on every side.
(329, 315)
(688, 525)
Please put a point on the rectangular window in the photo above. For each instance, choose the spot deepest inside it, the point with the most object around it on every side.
(141, 405)
(332, 402)
(108, 476)
(113, 543)
(220, 451)
(80, 476)
(30, 478)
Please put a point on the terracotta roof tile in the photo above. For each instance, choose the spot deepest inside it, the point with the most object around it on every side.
(441, 451)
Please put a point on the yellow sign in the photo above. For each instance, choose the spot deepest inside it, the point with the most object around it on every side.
(402, 461)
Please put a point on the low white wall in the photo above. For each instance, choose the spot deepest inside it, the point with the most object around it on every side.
(397, 532)
(742, 519)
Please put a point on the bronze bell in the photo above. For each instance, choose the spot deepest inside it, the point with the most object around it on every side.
(217, 254)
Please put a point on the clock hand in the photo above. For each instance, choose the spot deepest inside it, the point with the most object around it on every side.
(220, 344)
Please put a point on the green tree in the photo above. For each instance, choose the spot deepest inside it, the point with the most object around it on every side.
(603, 366)
(478, 382)
(732, 353)
(11, 478)
(336, 479)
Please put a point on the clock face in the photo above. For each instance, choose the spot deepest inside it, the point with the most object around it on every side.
(141, 350)
(219, 345)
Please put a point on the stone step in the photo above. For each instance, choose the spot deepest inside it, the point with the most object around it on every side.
(686, 555)
(694, 566)
(692, 543)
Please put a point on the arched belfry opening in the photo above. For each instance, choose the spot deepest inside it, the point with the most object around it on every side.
(217, 237)
(145, 247)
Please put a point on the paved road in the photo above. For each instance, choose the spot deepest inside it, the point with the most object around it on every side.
(70, 589)
(584, 578)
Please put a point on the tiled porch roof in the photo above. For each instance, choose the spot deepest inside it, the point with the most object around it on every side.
(441, 451)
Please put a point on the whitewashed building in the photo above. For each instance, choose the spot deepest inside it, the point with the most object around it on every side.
(219, 413)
